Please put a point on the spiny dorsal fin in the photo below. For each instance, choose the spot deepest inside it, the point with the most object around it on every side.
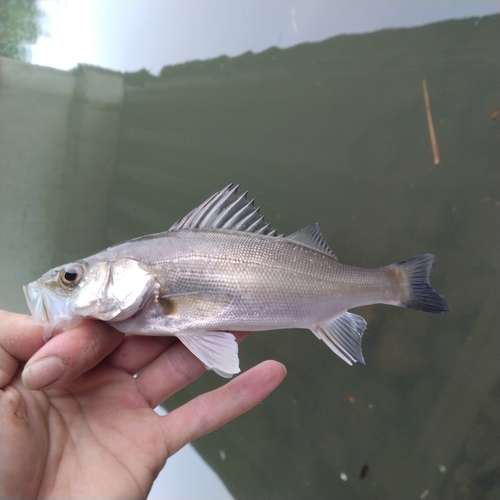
(226, 210)
(312, 237)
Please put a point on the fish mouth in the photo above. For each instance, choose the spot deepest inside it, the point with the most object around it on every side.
(49, 309)
(34, 298)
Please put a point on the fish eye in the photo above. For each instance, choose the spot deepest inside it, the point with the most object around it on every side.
(72, 274)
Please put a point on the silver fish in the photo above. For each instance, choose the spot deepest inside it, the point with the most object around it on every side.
(222, 268)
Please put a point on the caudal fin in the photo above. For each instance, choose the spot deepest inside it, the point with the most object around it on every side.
(420, 294)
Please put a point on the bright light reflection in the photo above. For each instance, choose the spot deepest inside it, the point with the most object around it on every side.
(69, 34)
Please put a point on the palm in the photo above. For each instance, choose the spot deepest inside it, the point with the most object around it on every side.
(99, 419)
(96, 434)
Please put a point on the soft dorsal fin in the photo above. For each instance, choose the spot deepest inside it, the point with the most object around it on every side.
(226, 210)
(312, 237)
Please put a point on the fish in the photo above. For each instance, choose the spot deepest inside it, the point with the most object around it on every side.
(222, 269)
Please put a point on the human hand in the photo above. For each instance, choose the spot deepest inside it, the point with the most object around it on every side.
(84, 427)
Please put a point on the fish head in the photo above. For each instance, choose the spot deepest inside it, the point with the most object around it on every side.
(109, 291)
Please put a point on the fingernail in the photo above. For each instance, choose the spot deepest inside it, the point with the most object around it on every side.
(284, 368)
(42, 373)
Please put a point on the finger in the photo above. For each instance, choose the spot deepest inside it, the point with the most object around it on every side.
(173, 370)
(70, 354)
(137, 351)
(8, 367)
(19, 336)
(19, 340)
(209, 411)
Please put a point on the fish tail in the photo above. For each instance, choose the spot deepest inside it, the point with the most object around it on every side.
(419, 293)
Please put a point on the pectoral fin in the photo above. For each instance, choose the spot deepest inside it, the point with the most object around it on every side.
(218, 351)
(343, 335)
(194, 305)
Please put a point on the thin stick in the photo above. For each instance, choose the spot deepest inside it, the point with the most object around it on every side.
(434, 144)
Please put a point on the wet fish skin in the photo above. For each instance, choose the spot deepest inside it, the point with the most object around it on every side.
(269, 282)
(223, 268)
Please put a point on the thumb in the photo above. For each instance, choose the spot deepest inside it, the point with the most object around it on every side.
(70, 354)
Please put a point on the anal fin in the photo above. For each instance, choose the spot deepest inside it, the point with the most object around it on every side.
(343, 335)
(218, 351)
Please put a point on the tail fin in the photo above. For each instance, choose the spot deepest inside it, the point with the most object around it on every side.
(421, 296)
